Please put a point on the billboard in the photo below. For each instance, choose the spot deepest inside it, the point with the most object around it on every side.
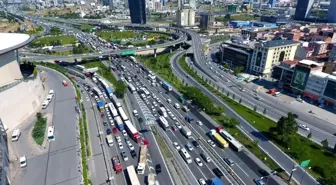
(300, 77)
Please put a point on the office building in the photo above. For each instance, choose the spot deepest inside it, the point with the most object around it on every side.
(137, 11)
(284, 73)
(332, 12)
(270, 53)
(204, 21)
(303, 9)
(235, 55)
(329, 95)
(315, 85)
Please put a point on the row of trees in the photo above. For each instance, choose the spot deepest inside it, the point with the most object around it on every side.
(81, 48)
(55, 31)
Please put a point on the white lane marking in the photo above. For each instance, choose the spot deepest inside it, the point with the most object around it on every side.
(242, 170)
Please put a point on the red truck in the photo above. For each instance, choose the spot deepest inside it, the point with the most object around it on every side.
(116, 164)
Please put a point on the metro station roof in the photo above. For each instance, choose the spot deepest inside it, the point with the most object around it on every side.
(13, 41)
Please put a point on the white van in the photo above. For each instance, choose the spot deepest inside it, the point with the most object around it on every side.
(135, 113)
(15, 135)
(45, 104)
(277, 94)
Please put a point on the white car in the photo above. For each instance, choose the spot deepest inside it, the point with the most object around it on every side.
(176, 145)
(201, 181)
(23, 161)
(130, 146)
(174, 118)
(178, 125)
(304, 127)
(198, 162)
(169, 100)
(118, 139)
(199, 123)
(120, 145)
(211, 143)
(124, 133)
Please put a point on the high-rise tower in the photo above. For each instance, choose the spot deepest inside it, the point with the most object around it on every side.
(303, 9)
(332, 12)
(137, 11)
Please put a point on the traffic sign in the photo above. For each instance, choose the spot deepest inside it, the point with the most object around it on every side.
(304, 163)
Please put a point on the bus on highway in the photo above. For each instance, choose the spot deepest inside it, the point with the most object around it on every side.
(122, 114)
(131, 87)
(113, 110)
(132, 176)
(115, 101)
(164, 123)
(79, 67)
(142, 160)
(167, 86)
(222, 142)
(97, 91)
(144, 90)
(163, 112)
(185, 155)
(234, 144)
(119, 122)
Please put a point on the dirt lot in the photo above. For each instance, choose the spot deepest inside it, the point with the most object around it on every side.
(6, 27)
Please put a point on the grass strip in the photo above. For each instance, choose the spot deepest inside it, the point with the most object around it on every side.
(162, 144)
(298, 147)
(39, 129)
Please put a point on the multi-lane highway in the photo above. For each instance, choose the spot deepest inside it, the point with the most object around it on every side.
(246, 172)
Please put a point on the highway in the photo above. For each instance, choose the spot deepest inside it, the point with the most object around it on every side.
(271, 149)
(321, 129)
(244, 167)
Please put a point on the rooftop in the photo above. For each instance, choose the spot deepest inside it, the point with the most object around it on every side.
(332, 77)
(12, 41)
(309, 62)
(290, 62)
(320, 74)
(278, 43)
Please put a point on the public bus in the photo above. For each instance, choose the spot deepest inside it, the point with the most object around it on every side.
(51, 136)
(167, 86)
(131, 87)
(113, 110)
(144, 90)
(163, 122)
(97, 91)
(163, 112)
(122, 114)
(115, 101)
(220, 140)
(233, 143)
(142, 160)
(185, 155)
(80, 67)
(132, 176)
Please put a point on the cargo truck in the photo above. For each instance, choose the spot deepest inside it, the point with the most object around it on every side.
(151, 179)
(100, 106)
(186, 131)
(109, 140)
(116, 164)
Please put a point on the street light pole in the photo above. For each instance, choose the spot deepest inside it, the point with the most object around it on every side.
(291, 175)
(304, 174)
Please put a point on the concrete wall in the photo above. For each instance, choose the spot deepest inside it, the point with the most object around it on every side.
(9, 69)
(21, 101)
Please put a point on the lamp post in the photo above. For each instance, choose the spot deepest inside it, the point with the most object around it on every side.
(291, 175)
(304, 174)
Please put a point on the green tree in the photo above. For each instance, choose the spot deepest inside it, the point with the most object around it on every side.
(233, 122)
(153, 60)
(325, 143)
(35, 72)
(309, 135)
(129, 43)
(238, 70)
(121, 88)
(151, 42)
(286, 126)
(226, 66)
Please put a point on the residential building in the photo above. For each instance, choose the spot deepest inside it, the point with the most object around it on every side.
(270, 53)
(137, 11)
(310, 30)
(294, 36)
(252, 34)
(332, 54)
(329, 95)
(303, 9)
(303, 52)
(185, 17)
(284, 73)
(319, 47)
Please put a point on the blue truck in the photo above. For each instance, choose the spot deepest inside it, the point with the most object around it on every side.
(100, 106)
(216, 181)
(189, 118)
